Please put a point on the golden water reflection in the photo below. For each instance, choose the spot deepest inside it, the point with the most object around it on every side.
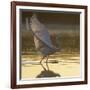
(63, 65)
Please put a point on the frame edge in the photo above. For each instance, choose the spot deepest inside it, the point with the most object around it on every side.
(13, 45)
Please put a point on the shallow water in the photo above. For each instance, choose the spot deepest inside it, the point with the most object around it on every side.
(59, 65)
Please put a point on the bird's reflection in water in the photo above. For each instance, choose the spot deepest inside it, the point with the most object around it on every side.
(47, 72)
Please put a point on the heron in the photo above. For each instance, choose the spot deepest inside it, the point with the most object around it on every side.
(41, 36)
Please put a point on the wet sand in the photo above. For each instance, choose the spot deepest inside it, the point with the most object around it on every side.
(59, 65)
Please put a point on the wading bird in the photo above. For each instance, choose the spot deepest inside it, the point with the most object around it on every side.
(42, 38)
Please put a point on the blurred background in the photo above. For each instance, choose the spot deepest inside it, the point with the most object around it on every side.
(64, 30)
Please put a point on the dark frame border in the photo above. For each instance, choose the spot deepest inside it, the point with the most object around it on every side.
(13, 44)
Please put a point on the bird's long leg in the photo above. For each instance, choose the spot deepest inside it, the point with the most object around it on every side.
(47, 62)
(43, 67)
(42, 59)
(47, 59)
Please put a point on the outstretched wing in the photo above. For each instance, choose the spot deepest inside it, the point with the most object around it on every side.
(40, 32)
